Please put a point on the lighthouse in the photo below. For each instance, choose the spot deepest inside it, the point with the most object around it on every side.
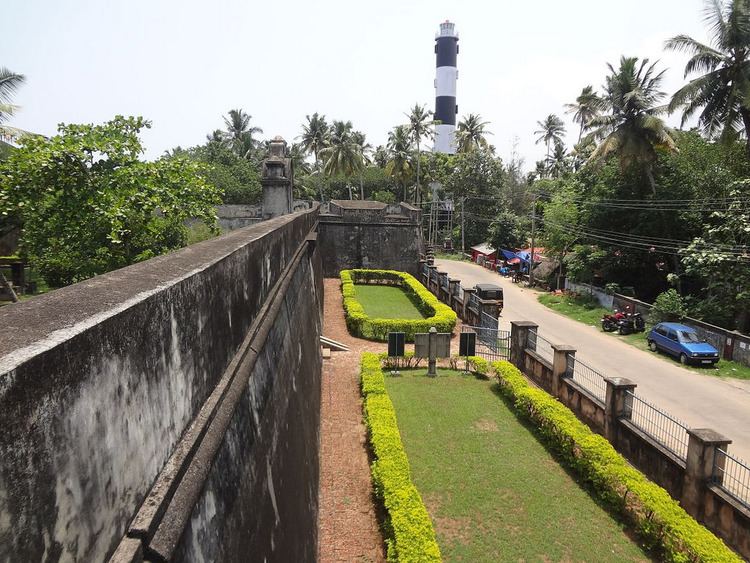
(446, 53)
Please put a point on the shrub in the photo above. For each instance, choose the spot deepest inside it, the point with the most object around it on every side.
(360, 324)
(657, 518)
(408, 531)
(668, 306)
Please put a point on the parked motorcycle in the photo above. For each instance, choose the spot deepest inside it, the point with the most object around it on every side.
(631, 323)
(611, 322)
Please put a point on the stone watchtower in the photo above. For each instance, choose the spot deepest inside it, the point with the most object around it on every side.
(277, 180)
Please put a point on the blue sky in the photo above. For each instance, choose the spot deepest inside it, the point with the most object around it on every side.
(184, 64)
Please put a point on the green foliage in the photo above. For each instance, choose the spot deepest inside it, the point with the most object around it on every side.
(89, 205)
(584, 262)
(668, 306)
(359, 324)
(508, 231)
(658, 519)
(408, 531)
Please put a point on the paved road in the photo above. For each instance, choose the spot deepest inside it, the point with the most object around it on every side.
(701, 401)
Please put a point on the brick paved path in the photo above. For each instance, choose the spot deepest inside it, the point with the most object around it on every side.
(347, 525)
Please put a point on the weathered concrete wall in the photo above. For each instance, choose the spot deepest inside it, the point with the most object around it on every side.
(238, 216)
(378, 236)
(99, 380)
(589, 409)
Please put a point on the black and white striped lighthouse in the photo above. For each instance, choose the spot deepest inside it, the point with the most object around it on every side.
(446, 53)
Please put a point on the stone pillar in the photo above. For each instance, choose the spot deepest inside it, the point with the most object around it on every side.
(439, 288)
(453, 291)
(431, 269)
(519, 332)
(491, 307)
(432, 353)
(560, 366)
(277, 178)
(702, 446)
(617, 404)
(466, 315)
(422, 270)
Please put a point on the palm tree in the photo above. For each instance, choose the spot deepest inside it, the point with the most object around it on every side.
(380, 156)
(471, 133)
(586, 107)
(315, 135)
(550, 131)
(634, 129)
(343, 156)
(420, 127)
(399, 166)
(559, 162)
(360, 140)
(239, 132)
(10, 82)
(723, 89)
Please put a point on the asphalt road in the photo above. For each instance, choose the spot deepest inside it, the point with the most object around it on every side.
(701, 401)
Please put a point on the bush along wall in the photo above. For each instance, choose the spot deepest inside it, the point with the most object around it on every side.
(361, 325)
(408, 531)
(657, 518)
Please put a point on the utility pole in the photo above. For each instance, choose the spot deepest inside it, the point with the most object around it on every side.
(533, 236)
(463, 225)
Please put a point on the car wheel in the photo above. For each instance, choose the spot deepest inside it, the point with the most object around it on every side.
(652, 346)
(683, 359)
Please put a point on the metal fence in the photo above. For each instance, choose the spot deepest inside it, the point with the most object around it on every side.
(540, 345)
(492, 344)
(732, 475)
(669, 431)
(474, 302)
(587, 377)
(444, 282)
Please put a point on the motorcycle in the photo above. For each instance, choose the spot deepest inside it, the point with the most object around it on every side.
(610, 323)
(631, 323)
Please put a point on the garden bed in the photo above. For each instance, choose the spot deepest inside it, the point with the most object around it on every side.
(360, 324)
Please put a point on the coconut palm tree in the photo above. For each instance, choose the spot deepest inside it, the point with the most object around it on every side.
(399, 166)
(315, 135)
(380, 156)
(722, 88)
(559, 162)
(364, 150)
(343, 156)
(420, 127)
(471, 133)
(633, 130)
(587, 106)
(239, 133)
(10, 82)
(550, 131)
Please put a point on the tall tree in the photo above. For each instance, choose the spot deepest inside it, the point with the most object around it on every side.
(559, 161)
(587, 106)
(633, 130)
(399, 166)
(472, 133)
(239, 132)
(723, 88)
(420, 127)
(343, 156)
(365, 148)
(380, 156)
(10, 82)
(550, 131)
(315, 135)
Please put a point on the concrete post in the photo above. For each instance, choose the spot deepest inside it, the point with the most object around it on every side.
(519, 331)
(432, 352)
(702, 446)
(453, 286)
(439, 287)
(560, 366)
(617, 404)
(421, 271)
(431, 269)
(468, 291)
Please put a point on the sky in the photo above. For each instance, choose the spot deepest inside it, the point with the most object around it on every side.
(184, 64)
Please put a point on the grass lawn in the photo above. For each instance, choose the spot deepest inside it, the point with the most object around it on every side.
(493, 491)
(386, 302)
(584, 312)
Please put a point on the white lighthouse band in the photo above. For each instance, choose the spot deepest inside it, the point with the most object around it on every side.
(446, 76)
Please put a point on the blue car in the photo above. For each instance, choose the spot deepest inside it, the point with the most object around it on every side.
(682, 342)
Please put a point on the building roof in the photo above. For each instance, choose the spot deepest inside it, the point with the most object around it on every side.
(484, 248)
(359, 204)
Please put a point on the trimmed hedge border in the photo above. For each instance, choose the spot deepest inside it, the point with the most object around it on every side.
(657, 518)
(439, 315)
(408, 531)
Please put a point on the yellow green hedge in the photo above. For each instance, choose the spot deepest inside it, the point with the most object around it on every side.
(359, 324)
(408, 531)
(660, 521)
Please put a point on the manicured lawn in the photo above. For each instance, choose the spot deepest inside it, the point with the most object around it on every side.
(582, 311)
(493, 492)
(386, 302)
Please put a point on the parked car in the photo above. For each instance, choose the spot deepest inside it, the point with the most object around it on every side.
(682, 342)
